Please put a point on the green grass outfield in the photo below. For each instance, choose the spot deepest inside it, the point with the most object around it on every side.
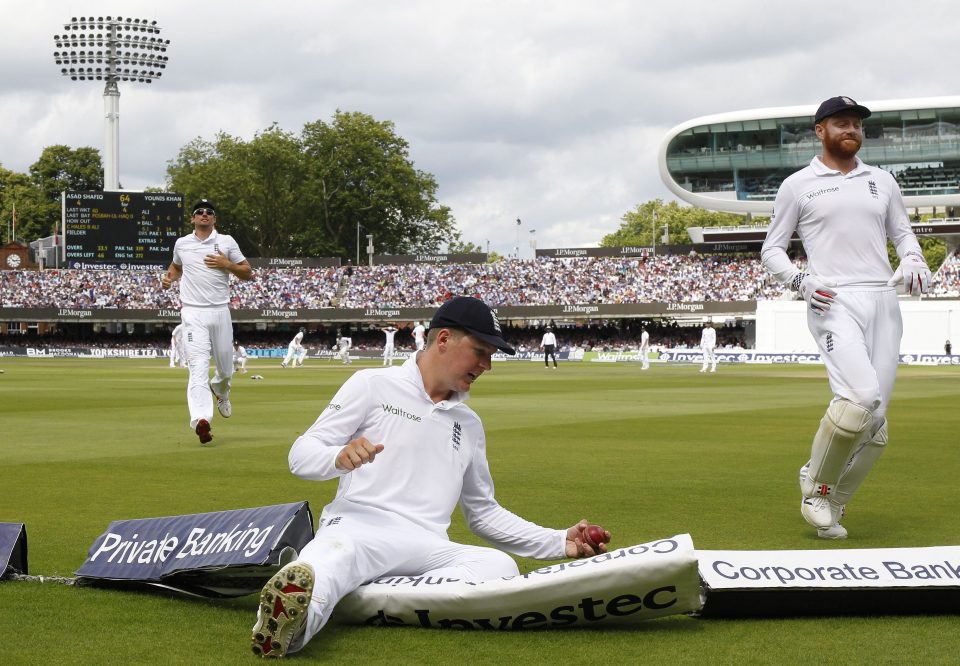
(646, 454)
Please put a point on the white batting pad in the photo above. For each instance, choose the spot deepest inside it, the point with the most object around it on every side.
(622, 587)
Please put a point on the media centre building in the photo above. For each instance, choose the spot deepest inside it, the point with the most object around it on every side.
(734, 162)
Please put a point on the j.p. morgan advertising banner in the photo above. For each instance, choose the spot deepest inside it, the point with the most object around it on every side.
(621, 587)
(198, 552)
(886, 580)
(13, 548)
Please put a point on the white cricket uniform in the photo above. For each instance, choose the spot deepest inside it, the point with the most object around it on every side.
(344, 344)
(176, 347)
(708, 344)
(292, 349)
(388, 348)
(844, 221)
(391, 516)
(240, 358)
(645, 350)
(418, 334)
(205, 312)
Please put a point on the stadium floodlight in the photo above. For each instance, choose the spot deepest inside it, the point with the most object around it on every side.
(111, 49)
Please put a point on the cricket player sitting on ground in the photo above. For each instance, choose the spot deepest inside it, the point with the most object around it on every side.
(406, 450)
(293, 349)
(844, 211)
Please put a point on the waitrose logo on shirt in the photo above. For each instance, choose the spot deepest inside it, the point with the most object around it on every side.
(396, 411)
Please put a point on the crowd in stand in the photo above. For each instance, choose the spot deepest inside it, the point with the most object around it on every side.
(543, 281)
(946, 281)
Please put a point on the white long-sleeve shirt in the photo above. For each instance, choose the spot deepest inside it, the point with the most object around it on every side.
(708, 337)
(297, 339)
(844, 221)
(434, 456)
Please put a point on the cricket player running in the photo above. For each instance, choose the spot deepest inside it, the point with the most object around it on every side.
(406, 450)
(844, 211)
(294, 350)
(206, 259)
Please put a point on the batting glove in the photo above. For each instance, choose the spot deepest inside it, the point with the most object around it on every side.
(817, 292)
(913, 273)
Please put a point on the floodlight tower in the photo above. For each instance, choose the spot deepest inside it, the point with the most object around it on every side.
(111, 49)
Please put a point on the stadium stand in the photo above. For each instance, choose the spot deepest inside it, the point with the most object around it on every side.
(946, 281)
(544, 281)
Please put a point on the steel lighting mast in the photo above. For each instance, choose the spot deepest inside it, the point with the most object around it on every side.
(111, 49)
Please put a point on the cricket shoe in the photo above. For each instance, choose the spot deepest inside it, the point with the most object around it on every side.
(223, 404)
(819, 511)
(203, 431)
(282, 613)
(835, 531)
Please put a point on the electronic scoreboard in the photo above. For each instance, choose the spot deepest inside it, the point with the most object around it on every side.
(121, 229)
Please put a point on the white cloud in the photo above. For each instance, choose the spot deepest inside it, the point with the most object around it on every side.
(550, 111)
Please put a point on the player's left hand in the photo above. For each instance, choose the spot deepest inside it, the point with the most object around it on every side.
(218, 260)
(577, 544)
(913, 273)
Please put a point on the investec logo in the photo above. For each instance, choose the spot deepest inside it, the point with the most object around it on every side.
(283, 314)
(396, 411)
(376, 312)
(65, 312)
(584, 309)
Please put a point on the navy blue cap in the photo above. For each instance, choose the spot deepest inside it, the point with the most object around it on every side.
(475, 317)
(204, 203)
(835, 105)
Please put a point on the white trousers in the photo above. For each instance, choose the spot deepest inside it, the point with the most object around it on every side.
(859, 341)
(709, 357)
(645, 357)
(356, 544)
(207, 332)
(388, 355)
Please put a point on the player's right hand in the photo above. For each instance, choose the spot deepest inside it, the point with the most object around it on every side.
(357, 452)
(165, 281)
(818, 293)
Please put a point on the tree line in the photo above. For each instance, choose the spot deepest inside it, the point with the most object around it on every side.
(319, 192)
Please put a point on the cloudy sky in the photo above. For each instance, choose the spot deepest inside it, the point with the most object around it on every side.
(551, 111)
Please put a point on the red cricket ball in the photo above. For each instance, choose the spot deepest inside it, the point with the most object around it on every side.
(595, 535)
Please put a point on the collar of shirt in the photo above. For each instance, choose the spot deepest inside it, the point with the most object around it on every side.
(412, 371)
(821, 169)
(209, 239)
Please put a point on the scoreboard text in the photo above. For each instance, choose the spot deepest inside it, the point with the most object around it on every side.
(127, 228)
